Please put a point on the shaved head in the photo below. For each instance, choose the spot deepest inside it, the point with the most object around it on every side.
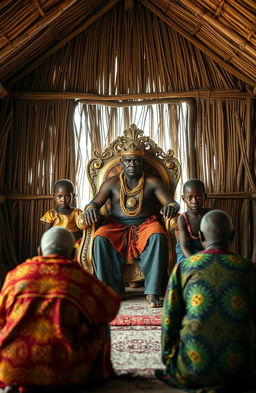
(58, 241)
(64, 183)
(216, 227)
(195, 183)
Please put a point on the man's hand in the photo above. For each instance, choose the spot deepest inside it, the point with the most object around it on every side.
(91, 215)
(169, 211)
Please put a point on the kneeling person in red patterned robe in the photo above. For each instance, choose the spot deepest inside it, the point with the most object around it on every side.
(54, 320)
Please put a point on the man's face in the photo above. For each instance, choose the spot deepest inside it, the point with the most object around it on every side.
(132, 165)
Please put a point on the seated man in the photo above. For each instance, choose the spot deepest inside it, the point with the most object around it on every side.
(54, 321)
(208, 325)
(133, 231)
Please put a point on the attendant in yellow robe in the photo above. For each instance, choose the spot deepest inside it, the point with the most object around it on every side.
(63, 215)
(54, 318)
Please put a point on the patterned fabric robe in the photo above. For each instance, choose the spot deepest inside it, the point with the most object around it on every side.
(208, 325)
(53, 320)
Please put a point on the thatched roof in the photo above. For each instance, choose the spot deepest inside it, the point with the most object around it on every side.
(32, 30)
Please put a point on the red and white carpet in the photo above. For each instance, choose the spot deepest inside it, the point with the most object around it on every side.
(135, 335)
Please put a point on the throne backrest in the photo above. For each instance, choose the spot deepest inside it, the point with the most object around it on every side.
(107, 163)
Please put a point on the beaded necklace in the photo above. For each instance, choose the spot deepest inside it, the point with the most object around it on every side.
(127, 196)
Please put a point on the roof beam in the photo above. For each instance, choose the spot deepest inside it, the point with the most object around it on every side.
(219, 60)
(36, 28)
(235, 94)
(62, 43)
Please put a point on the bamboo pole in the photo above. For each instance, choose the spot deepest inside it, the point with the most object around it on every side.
(243, 153)
(202, 14)
(221, 61)
(37, 5)
(212, 37)
(62, 43)
(232, 195)
(248, 124)
(249, 148)
(122, 104)
(245, 209)
(36, 28)
(25, 197)
(208, 94)
(191, 136)
(237, 15)
(4, 3)
(3, 92)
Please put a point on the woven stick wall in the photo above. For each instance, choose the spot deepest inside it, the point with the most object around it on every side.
(136, 54)
(224, 142)
(40, 151)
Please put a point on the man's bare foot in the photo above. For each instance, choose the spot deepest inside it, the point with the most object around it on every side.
(154, 301)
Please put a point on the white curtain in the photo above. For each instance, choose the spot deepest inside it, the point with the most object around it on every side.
(96, 126)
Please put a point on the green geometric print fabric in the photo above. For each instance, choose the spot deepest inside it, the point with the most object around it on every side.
(208, 325)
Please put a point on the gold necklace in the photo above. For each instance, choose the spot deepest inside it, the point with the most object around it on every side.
(125, 192)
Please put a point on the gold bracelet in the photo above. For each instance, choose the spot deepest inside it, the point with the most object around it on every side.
(90, 207)
(173, 205)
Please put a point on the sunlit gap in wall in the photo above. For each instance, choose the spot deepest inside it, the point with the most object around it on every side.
(167, 123)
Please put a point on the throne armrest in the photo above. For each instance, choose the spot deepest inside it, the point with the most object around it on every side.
(80, 222)
(171, 226)
(85, 250)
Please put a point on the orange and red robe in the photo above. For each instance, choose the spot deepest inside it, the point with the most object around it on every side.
(130, 240)
(53, 325)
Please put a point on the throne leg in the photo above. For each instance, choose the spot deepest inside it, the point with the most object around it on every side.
(137, 284)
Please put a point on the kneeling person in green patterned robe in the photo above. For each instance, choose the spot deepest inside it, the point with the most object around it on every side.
(208, 325)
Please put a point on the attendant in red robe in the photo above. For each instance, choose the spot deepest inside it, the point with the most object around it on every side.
(54, 320)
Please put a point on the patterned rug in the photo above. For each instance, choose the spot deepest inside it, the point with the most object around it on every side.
(136, 350)
(134, 311)
(135, 336)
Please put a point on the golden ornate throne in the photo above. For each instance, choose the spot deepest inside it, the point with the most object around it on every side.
(106, 164)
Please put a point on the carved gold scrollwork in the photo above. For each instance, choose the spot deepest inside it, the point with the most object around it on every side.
(85, 253)
(169, 164)
(97, 164)
(80, 222)
(107, 153)
(170, 153)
